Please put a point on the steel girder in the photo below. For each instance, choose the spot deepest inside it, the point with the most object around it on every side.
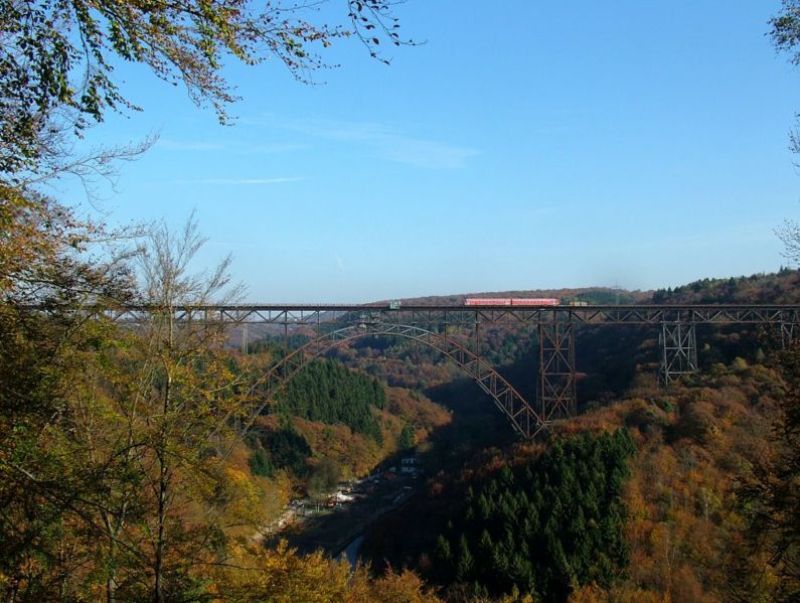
(557, 397)
(790, 328)
(678, 342)
(308, 314)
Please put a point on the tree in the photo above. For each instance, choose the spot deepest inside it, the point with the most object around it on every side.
(324, 478)
(46, 348)
(57, 57)
(789, 234)
(112, 472)
(544, 526)
(465, 562)
(327, 391)
(188, 398)
(112, 452)
(405, 440)
(775, 491)
(283, 576)
(785, 35)
(772, 493)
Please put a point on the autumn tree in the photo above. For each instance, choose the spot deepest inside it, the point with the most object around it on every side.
(182, 412)
(46, 279)
(772, 493)
(775, 491)
(789, 234)
(282, 575)
(785, 35)
(113, 480)
(115, 476)
(57, 58)
(113, 443)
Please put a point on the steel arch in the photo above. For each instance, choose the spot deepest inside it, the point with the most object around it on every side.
(520, 413)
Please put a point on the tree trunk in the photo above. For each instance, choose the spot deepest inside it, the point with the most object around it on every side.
(158, 595)
(163, 486)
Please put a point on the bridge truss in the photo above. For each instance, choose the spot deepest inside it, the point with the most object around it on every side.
(334, 324)
(521, 415)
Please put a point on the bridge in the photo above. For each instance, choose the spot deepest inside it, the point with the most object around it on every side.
(455, 331)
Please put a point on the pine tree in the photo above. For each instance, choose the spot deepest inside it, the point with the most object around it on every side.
(465, 562)
(442, 550)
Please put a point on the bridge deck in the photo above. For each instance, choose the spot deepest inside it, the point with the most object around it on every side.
(594, 314)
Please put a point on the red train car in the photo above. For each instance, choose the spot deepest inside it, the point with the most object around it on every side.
(511, 301)
(487, 301)
(535, 301)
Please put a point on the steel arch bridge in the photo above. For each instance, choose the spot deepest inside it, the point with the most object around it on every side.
(556, 327)
(521, 414)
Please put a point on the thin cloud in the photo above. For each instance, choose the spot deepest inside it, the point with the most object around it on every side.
(387, 142)
(426, 153)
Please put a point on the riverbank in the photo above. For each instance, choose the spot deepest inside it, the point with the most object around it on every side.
(335, 529)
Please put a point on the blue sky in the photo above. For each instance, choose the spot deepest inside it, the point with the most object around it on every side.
(525, 144)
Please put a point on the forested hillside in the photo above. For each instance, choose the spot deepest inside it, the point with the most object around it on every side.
(701, 511)
(670, 520)
(543, 525)
(782, 287)
(124, 473)
(327, 392)
(331, 412)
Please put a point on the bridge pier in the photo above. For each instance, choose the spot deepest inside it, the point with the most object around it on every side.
(790, 328)
(787, 334)
(678, 343)
(557, 397)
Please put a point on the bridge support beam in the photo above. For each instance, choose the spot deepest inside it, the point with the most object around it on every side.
(790, 328)
(678, 343)
(557, 398)
(788, 334)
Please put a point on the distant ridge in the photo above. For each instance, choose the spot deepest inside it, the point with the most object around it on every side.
(599, 295)
(782, 287)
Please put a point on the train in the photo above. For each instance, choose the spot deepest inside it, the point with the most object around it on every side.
(531, 302)
(512, 301)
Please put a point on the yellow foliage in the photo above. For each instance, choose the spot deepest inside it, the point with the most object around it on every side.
(244, 495)
(405, 587)
(591, 593)
(281, 575)
(515, 597)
